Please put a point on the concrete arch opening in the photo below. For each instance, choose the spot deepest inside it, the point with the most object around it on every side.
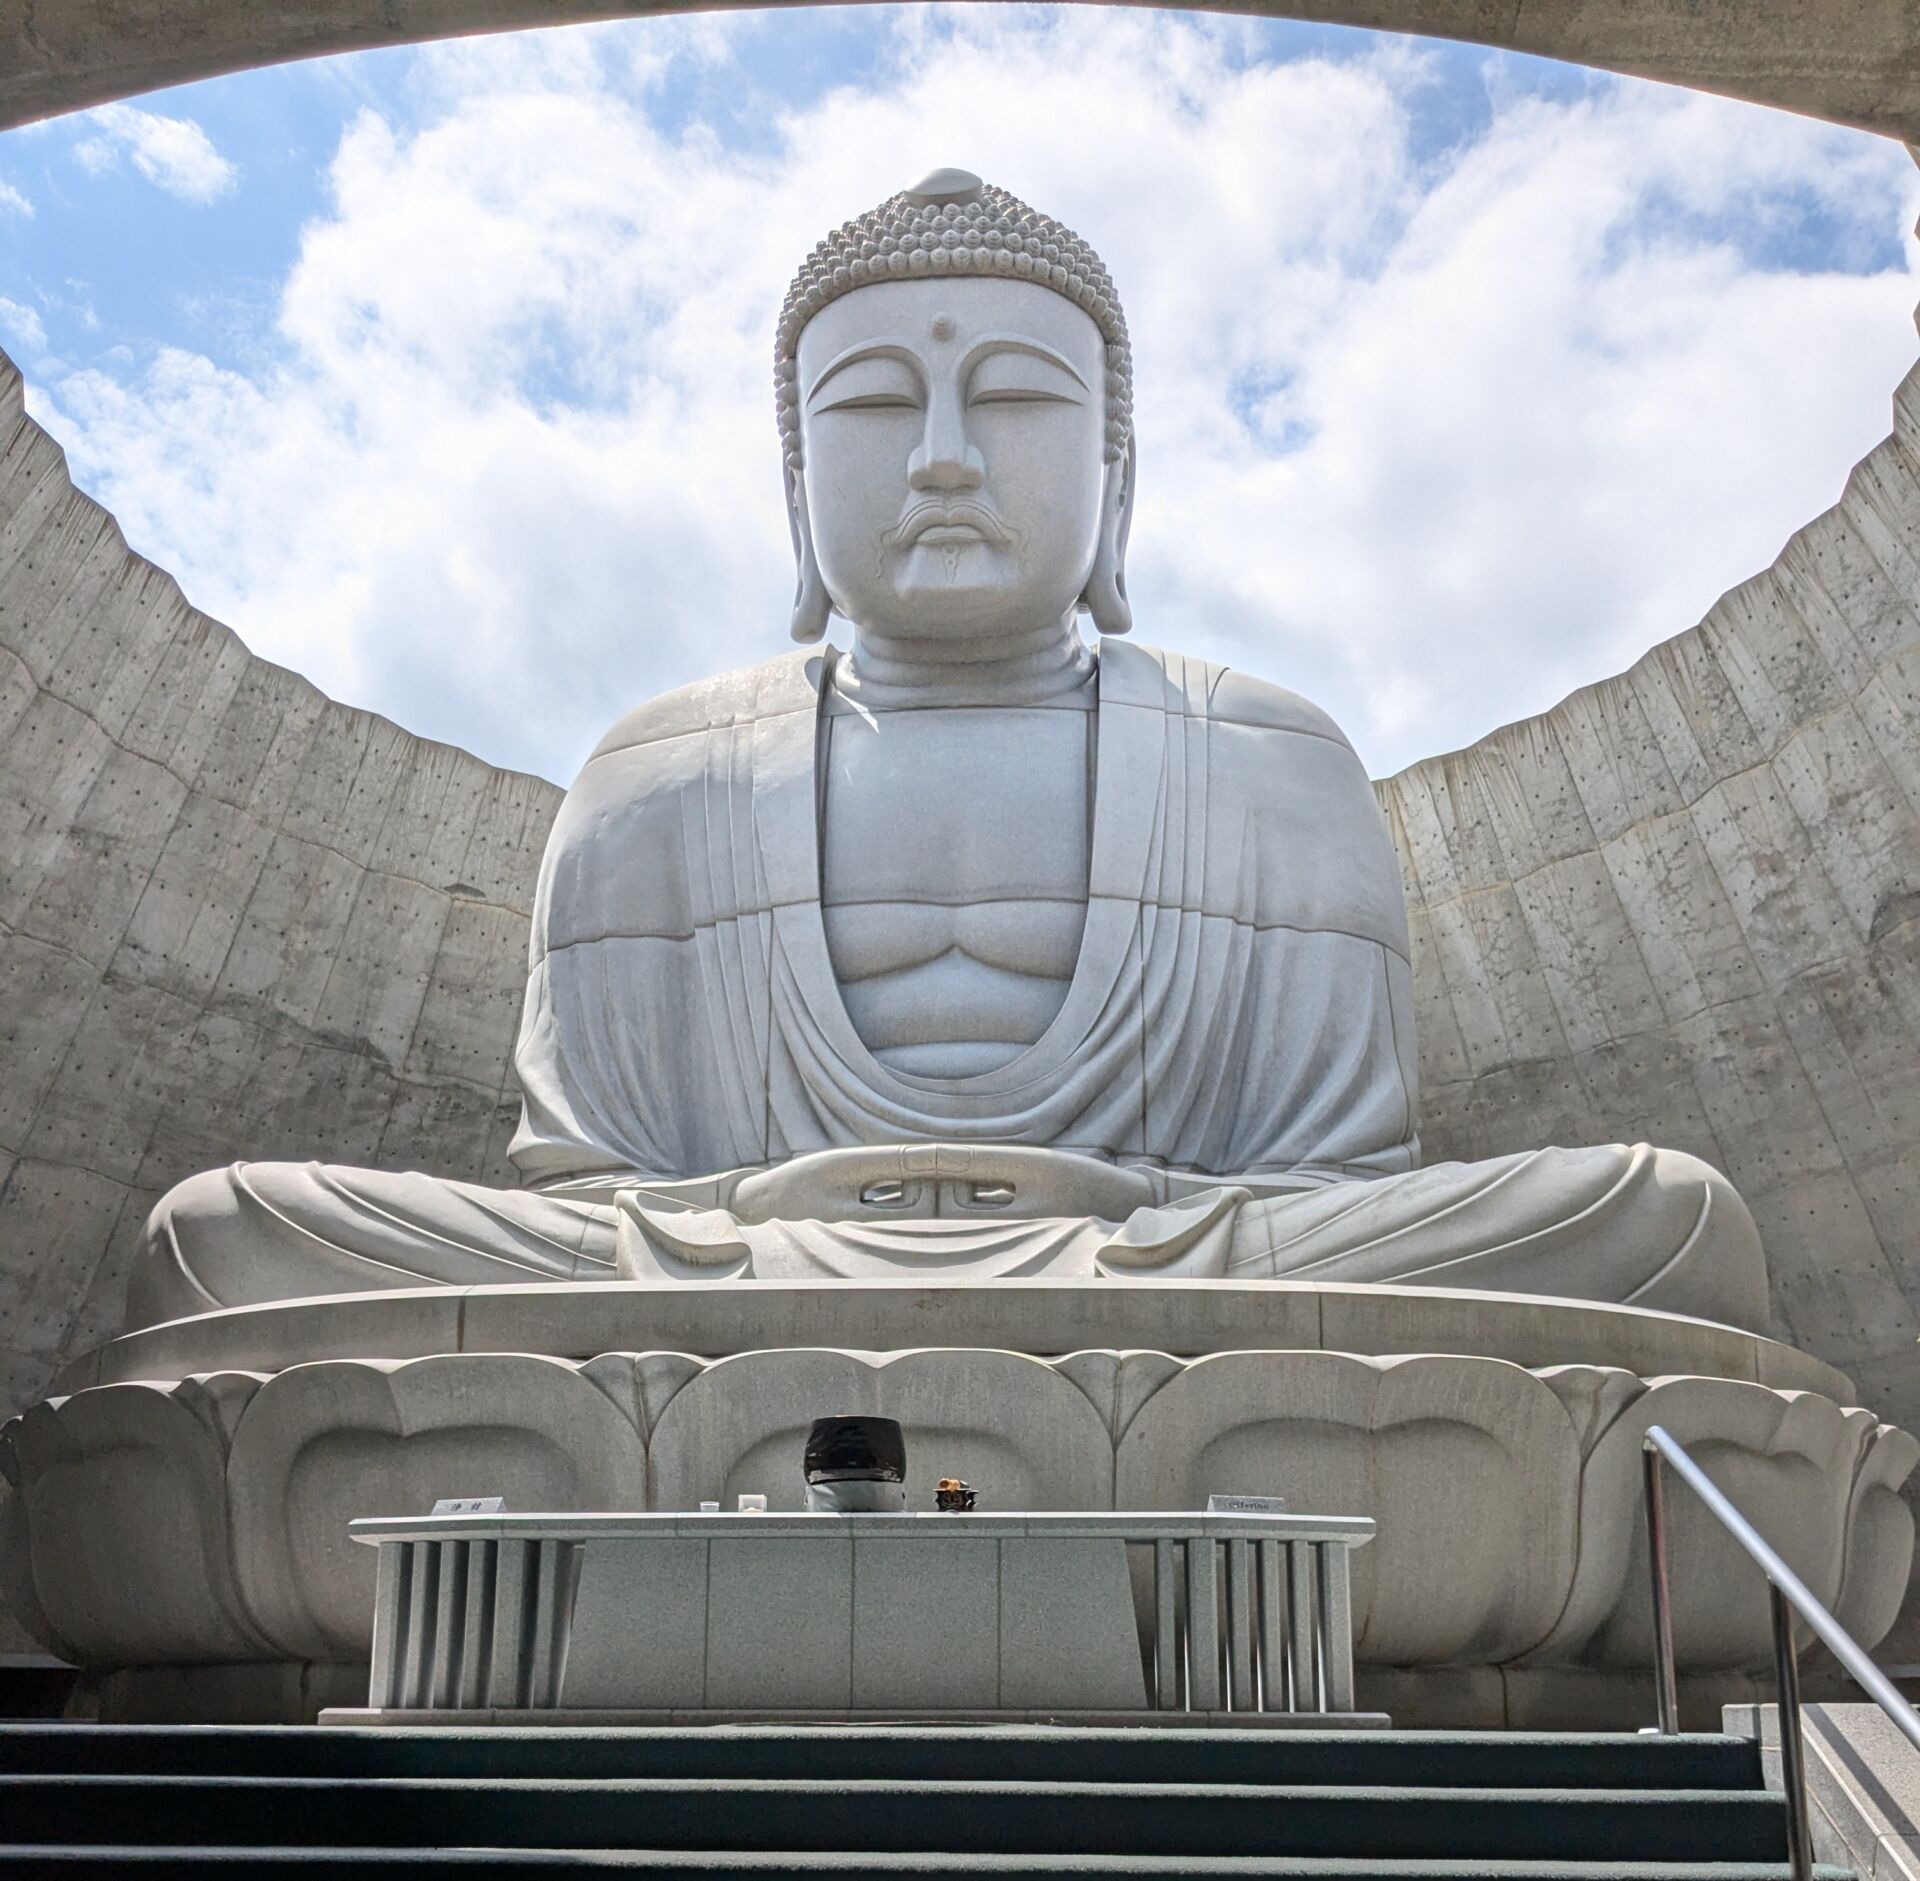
(1855, 63)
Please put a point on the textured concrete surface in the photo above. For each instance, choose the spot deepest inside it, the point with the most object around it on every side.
(234, 916)
(1681, 907)
(1854, 61)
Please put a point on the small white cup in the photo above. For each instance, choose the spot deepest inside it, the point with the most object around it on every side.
(709, 1508)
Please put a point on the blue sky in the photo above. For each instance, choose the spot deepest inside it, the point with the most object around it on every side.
(441, 373)
(112, 260)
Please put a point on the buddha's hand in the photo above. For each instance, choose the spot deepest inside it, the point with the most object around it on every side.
(918, 1181)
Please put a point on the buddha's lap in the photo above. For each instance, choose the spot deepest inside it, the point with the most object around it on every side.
(1627, 1224)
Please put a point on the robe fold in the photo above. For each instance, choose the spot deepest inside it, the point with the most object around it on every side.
(1241, 1007)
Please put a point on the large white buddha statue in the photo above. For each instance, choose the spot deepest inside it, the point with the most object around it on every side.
(970, 949)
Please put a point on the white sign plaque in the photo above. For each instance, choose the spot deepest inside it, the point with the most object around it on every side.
(1246, 1505)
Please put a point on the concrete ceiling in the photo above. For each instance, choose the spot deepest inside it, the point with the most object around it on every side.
(1852, 61)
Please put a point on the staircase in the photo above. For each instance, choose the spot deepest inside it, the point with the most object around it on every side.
(232, 1803)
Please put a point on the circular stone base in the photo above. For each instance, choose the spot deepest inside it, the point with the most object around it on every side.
(720, 1318)
(186, 1505)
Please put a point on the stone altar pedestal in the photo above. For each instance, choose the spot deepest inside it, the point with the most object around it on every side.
(749, 1618)
(1494, 1440)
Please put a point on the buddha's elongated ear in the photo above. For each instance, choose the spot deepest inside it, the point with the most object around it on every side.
(1106, 593)
(812, 605)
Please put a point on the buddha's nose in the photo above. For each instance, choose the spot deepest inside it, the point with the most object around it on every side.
(944, 459)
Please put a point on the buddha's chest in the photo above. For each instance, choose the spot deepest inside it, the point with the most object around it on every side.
(954, 864)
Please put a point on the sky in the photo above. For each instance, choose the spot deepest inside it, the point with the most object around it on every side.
(443, 374)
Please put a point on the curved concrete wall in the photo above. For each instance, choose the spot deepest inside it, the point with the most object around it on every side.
(236, 919)
(1853, 61)
(1682, 905)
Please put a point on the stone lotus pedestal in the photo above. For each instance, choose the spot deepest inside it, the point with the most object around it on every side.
(176, 1520)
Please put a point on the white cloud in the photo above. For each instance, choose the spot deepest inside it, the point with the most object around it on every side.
(13, 203)
(1431, 438)
(22, 326)
(173, 154)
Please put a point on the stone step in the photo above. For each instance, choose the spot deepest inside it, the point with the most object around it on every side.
(1381, 1759)
(332, 1864)
(869, 1816)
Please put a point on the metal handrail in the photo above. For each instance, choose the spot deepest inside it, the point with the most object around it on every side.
(1788, 1594)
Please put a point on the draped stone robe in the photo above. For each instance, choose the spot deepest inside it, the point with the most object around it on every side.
(1227, 1091)
(1241, 1009)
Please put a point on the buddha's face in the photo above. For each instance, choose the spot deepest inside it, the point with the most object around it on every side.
(953, 432)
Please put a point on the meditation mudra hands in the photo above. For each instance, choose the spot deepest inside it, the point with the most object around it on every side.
(972, 950)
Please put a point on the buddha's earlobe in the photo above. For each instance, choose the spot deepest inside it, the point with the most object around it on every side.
(1106, 594)
(812, 605)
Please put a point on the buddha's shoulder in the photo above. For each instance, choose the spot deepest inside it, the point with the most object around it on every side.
(1136, 674)
(788, 683)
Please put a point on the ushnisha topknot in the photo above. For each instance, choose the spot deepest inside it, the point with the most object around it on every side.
(952, 223)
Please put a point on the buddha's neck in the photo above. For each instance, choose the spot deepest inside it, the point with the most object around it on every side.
(1037, 668)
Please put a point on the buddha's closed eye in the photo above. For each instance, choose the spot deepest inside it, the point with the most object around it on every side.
(1001, 373)
(879, 382)
(1022, 379)
(873, 401)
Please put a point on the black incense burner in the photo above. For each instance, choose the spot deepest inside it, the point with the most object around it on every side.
(856, 1465)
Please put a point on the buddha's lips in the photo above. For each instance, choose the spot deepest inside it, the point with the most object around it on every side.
(949, 524)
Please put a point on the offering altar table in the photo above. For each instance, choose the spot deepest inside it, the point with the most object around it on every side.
(574, 1619)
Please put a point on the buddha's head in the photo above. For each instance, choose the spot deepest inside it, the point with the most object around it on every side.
(955, 395)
